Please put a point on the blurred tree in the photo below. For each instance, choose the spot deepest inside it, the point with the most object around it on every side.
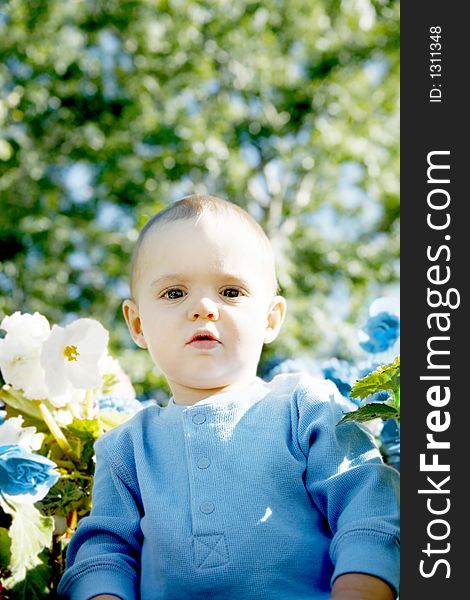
(109, 110)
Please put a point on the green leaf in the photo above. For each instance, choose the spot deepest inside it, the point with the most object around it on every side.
(30, 532)
(109, 381)
(112, 418)
(370, 411)
(384, 378)
(36, 584)
(63, 497)
(85, 429)
(5, 547)
(18, 405)
(82, 436)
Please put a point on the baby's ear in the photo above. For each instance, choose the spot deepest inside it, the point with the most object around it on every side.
(276, 314)
(131, 315)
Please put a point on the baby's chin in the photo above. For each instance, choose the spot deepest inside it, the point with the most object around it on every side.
(209, 385)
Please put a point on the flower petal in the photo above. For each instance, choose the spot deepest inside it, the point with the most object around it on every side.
(52, 360)
(84, 373)
(89, 335)
(24, 474)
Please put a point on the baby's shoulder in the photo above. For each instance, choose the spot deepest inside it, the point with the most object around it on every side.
(309, 399)
(302, 388)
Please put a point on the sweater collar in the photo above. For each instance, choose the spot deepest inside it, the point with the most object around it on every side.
(246, 394)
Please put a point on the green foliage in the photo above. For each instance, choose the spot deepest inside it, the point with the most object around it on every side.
(287, 107)
(368, 412)
(383, 379)
(62, 498)
(5, 548)
(30, 532)
(82, 434)
(19, 405)
(36, 584)
(86, 430)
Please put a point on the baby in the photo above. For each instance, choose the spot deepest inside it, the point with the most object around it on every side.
(238, 489)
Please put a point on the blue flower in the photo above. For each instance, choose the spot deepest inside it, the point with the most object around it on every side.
(383, 330)
(342, 374)
(120, 404)
(25, 476)
(343, 386)
(277, 366)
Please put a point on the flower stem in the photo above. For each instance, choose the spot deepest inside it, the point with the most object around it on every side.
(64, 464)
(55, 429)
(77, 475)
(89, 404)
(72, 518)
(396, 397)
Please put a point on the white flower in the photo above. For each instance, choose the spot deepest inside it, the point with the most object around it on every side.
(71, 354)
(12, 432)
(72, 397)
(109, 365)
(63, 417)
(20, 352)
(123, 387)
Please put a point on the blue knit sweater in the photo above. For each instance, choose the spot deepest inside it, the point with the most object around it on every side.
(252, 494)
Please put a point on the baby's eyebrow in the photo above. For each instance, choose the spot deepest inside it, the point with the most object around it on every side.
(230, 278)
(227, 278)
(169, 278)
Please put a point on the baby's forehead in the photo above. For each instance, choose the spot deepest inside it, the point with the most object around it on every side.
(233, 240)
(207, 227)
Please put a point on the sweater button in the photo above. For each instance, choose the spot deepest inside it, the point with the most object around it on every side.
(199, 418)
(207, 508)
(203, 462)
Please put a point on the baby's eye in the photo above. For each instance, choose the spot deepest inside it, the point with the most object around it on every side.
(174, 294)
(231, 293)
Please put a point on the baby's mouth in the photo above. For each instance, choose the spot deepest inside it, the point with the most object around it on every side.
(204, 340)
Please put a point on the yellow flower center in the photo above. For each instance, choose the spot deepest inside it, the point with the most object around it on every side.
(71, 353)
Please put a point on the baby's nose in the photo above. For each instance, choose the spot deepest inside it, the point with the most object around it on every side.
(204, 309)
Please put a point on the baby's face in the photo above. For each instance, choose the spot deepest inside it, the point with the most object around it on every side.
(205, 302)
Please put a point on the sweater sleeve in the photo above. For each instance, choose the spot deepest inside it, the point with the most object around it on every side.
(348, 482)
(103, 556)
